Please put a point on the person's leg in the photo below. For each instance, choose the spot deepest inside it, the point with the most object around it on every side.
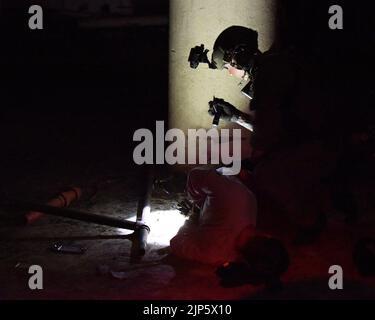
(284, 178)
(293, 180)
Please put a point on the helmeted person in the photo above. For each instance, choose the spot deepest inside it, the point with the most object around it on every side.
(226, 228)
(286, 117)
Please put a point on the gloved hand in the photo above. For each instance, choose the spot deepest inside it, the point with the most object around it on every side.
(228, 111)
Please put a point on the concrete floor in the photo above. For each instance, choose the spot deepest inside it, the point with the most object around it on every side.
(68, 276)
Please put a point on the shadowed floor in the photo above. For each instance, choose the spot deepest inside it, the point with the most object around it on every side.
(68, 276)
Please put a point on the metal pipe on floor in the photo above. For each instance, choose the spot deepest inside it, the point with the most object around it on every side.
(72, 214)
(141, 230)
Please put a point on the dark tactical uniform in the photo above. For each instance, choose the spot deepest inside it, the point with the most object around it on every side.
(289, 131)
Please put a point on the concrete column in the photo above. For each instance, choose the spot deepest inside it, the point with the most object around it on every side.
(193, 22)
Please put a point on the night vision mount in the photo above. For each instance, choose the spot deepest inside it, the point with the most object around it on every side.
(198, 55)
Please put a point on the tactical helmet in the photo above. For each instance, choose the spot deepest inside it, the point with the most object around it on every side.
(236, 45)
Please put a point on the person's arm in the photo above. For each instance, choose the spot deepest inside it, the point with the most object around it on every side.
(243, 119)
(231, 114)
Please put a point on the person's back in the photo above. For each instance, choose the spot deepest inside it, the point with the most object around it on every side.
(288, 131)
(226, 236)
(228, 208)
(287, 101)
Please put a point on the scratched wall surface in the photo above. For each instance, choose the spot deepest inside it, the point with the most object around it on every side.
(192, 23)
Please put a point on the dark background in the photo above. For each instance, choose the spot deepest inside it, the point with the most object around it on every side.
(72, 97)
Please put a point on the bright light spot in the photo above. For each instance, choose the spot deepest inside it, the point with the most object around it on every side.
(121, 231)
(164, 225)
(146, 211)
